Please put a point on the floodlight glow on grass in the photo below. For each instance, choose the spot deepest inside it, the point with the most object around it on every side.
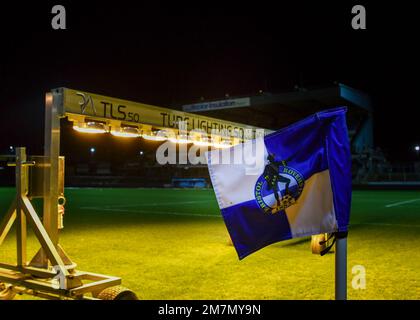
(126, 132)
(154, 136)
(90, 127)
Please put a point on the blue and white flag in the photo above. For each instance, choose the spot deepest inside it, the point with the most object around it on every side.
(292, 183)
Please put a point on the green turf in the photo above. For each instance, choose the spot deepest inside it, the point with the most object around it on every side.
(172, 244)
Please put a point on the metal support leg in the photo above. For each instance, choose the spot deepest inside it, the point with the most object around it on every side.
(21, 189)
(341, 268)
(43, 237)
(52, 153)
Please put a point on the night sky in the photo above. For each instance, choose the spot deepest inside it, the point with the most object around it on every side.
(167, 55)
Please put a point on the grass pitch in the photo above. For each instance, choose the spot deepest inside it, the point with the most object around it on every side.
(172, 244)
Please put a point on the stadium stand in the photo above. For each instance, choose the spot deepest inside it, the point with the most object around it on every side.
(267, 110)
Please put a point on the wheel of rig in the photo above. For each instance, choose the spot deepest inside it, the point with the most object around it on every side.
(6, 292)
(315, 246)
(117, 293)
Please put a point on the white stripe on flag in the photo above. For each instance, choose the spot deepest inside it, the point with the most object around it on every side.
(314, 210)
(233, 183)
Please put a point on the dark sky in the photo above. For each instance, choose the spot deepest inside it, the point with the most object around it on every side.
(166, 55)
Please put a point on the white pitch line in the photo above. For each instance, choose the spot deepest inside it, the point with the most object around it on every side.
(157, 212)
(400, 203)
(153, 204)
(174, 213)
(386, 224)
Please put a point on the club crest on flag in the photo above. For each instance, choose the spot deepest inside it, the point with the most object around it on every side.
(278, 187)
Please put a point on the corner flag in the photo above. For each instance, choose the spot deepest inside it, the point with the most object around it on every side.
(292, 183)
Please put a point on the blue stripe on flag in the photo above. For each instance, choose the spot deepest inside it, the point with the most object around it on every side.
(260, 229)
(303, 149)
(339, 162)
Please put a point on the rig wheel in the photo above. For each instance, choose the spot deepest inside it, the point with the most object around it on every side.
(6, 292)
(117, 293)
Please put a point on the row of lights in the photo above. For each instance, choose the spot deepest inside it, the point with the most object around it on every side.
(132, 132)
(93, 150)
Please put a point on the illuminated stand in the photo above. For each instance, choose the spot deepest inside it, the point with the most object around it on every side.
(51, 274)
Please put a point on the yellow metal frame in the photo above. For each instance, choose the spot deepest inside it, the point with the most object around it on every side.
(35, 278)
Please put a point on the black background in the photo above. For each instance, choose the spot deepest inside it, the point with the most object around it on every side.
(167, 54)
(273, 309)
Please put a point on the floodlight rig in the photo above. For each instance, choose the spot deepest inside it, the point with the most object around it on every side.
(51, 274)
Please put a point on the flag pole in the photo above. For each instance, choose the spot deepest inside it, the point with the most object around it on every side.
(341, 266)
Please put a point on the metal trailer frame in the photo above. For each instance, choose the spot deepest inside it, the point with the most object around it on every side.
(50, 274)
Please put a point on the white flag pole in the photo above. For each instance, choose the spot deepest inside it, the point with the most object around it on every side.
(341, 266)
